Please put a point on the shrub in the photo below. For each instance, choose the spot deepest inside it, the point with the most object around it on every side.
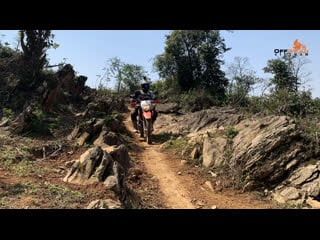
(196, 100)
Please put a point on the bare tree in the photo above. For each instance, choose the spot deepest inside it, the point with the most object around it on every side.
(242, 79)
(297, 66)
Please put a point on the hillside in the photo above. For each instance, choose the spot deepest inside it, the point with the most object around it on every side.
(215, 158)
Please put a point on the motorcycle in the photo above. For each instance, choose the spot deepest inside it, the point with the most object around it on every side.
(144, 119)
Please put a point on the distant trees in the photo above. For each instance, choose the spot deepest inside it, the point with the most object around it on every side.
(127, 77)
(132, 76)
(192, 59)
(288, 75)
(283, 77)
(288, 72)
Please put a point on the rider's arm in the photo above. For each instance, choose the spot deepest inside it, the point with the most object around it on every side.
(137, 93)
(155, 97)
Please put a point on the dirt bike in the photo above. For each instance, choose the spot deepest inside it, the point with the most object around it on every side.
(144, 119)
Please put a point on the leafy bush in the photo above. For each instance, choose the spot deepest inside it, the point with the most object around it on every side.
(231, 132)
(310, 132)
(6, 52)
(44, 123)
(167, 89)
(284, 102)
(8, 114)
(255, 104)
(196, 100)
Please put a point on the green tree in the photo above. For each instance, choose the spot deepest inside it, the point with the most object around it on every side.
(286, 73)
(115, 71)
(34, 44)
(192, 59)
(126, 76)
(286, 98)
(131, 76)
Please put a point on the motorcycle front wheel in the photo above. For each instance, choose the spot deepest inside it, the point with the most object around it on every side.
(148, 127)
(140, 126)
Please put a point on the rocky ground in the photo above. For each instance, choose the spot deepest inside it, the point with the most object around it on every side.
(211, 159)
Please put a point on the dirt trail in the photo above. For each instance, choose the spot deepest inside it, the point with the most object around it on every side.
(155, 162)
(175, 194)
(181, 185)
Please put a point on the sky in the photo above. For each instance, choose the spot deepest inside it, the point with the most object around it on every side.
(88, 50)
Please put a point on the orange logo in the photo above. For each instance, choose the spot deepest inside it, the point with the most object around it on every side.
(298, 48)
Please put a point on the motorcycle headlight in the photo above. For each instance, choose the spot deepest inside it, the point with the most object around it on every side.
(146, 108)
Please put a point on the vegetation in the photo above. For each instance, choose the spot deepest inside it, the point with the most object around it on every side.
(241, 83)
(8, 114)
(231, 132)
(288, 72)
(190, 70)
(127, 76)
(34, 44)
(24, 168)
(45, 194)
(44, 123)
(191, 61)
(195, 100)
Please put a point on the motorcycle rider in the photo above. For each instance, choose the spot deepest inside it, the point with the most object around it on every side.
(143, 94)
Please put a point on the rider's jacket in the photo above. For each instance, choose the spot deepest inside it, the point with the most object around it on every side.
(140, 95)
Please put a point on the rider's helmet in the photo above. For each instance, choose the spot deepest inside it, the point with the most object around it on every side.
(145, 85)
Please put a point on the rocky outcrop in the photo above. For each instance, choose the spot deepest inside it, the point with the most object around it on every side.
(107, 105)
(98, 131)
(108, 166)
(267, 149)
(198, 122)
(167, 107)
(98, 165)
(213, 152)
(23, 122)
(267, 153)
(302, 185)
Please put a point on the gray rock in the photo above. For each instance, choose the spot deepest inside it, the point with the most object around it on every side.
(312, 188)
(120, 155)
(303, 174)
(291, 164)
(195, 153)
(104, 204)
(288, 194)
(313, 203)
(213, 151)
(111, 183)
(167, 107)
